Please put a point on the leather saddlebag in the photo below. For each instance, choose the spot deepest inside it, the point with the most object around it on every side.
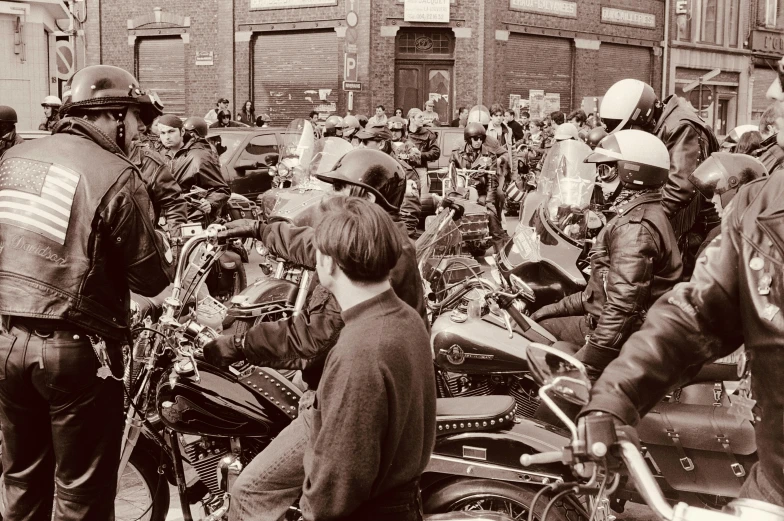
(474, 223)
(699, 448)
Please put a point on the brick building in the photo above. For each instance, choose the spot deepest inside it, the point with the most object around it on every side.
(766, 42)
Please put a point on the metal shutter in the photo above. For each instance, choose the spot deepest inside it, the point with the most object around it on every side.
(290, 69)
(538, 63)
(618, 62)
(161, 67)
(763, 77)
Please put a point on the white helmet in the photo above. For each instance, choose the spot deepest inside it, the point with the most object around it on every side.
(566, 131)
(628, 103)
(51, 101)
(641, 158)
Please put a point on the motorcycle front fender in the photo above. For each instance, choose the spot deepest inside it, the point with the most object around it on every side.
(496, 455)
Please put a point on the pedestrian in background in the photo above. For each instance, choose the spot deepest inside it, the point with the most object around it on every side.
(379, 119)
(431, 117)
(248, 114)
(51, 105)
(221, 104)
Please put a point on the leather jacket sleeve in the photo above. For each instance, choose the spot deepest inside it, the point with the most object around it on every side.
(127, 218)
(410, 211)
(627, 285)
(294, 243)
(168, 196)
(210, 178)
(431, 150)
(695, 322)
(685, 154)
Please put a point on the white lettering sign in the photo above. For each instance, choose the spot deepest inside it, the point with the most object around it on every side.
(549, 7)
(426, 11)
(285, 4)
(621, 16)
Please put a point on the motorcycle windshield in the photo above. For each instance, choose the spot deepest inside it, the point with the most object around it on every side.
(297, 147)
(327, 153)
(441, 237)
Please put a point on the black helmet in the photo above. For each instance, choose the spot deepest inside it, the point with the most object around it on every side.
(197, 125)
(107, 87)
(641, 158)
(373, 170)
(723, 173)
(628, 103)
(595, 136)
(474, 129)
(362, 120)
(7, 115)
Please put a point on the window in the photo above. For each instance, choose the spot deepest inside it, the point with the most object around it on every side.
(712, 21)
(259, 147)
(771, 12)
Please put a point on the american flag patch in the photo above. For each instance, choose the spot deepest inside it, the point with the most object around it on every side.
(37, 196)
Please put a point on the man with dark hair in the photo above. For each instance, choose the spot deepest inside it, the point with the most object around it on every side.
(377, 396)
(557, 118)
(578, 118)
(517, 129)
(380, 118)
(461, 119)
(212, 115)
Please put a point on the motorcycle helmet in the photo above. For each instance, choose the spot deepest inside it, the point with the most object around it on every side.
(373, 170)
(397, 126)
(362, 120)
(566, 131)
(723, 173)
(474, 129)
(52, 101)
(7, 115)
(350, 126)
(641, 159)
(196, 124)
(331, 126)
(628, 103)
(733, 138)
(478, 114)
(595, 137)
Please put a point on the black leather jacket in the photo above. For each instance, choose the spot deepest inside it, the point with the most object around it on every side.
(14, 139)
(634, 261)
(726, 303)
(165, 193)
(303, 342)
(82, 274)
(197, 164)
(771, 154)
(487, 187)
(427, 142)
(690, 142)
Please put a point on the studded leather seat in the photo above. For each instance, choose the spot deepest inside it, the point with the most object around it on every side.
(474, 414)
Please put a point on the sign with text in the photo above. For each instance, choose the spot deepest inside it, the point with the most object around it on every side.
(426, 11)
(767, 41)
(287, 4)
(350, 67)
(624, 17)
(204, 58)
(548, 7)
(352, 85)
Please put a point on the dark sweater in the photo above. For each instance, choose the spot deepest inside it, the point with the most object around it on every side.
(374, 419)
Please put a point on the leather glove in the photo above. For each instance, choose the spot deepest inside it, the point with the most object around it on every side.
(601, 427)
(224, 350)
(548, 311)
(246, 228)
(205, 206)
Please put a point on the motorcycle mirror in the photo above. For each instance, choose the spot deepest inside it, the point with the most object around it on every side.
(523, 289)
(565, 375)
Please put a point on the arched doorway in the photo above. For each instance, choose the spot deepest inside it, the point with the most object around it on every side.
(424, 63)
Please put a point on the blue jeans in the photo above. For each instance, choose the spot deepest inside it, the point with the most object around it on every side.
(272, 482)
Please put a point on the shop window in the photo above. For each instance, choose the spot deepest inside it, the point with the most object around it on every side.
(712, 21)
(771, 12)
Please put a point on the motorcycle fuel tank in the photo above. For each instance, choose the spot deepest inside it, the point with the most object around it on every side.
(296, 205)
(477, 346)
(255, 402)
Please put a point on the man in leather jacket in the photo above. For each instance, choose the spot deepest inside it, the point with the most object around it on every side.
(194, 163)
(78, 237)
(734, 297)
(634, 260)
(8, 135)
(273, 481)
(426, 142)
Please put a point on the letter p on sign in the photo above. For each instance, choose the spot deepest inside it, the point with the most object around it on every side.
(350, 67)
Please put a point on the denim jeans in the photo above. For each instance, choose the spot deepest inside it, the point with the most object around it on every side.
(272, 482)
(758, 486)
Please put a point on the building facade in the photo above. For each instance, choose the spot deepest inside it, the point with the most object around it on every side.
(766, 41)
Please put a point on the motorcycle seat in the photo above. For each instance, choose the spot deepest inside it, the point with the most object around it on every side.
(474, 414)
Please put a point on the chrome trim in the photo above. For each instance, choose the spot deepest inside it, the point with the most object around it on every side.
(459, 467)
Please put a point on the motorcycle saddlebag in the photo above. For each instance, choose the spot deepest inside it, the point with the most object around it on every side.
(474, 224)
(699, 448)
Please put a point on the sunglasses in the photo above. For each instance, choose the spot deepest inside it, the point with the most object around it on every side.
(369, 140)
(474, 138)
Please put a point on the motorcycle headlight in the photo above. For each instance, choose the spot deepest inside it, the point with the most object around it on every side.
(283, 170)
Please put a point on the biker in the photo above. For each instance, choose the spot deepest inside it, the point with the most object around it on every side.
(65, 275)
(634, 260)
(224, 120)
(476, 154)
(8, 135)
(273, 481)
(350, 128)
(566, 131)
(733, 298)
(333, 126)
(633, 104)
(51, 105)
(425, 141)
(194, 163)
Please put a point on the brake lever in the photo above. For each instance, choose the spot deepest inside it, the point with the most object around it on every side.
(495, 309)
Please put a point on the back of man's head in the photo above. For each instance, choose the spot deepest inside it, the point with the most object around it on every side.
(359, 236)
(767, 124)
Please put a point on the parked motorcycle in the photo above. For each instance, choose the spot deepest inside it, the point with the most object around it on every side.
(295, 153)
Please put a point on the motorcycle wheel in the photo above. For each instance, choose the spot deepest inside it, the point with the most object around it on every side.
(472, 495)
(143, 494)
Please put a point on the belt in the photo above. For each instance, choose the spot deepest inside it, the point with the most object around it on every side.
(45, 328)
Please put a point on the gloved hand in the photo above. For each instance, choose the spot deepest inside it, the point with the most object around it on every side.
(223, 351)
(598, 428)
(246, 228)
(205, 206)
(548, 311)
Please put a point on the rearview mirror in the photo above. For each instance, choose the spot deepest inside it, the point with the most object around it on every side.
(521, 287)
(565, 375)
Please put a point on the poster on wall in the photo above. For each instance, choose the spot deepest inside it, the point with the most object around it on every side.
(552, 102)
(514, 101)
(536, 98)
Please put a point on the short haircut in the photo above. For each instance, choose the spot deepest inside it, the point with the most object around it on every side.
(748, 142)
(511, 112)
(768, 117)
(380, 107)
(313, 113)
(461, 109)
(359, 236)
(525, 114)
(579, 115)
(495, 108)
(557, 117)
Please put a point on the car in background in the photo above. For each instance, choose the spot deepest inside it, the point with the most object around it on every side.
(449, 138)
(27, 135)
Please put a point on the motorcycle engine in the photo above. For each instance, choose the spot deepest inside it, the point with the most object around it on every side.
(204, 454)
(522, 388)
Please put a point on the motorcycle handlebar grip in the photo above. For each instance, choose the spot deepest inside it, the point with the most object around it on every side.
(527, 460)
(234, 233)
(518, 317)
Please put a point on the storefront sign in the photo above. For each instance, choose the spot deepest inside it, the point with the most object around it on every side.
(352, 85)
(549, 7)
(204, 58)
(426, 11)
(287, 4)
(767, 42)
(624, 17)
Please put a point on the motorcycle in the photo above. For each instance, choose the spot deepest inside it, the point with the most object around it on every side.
(294, 154)
(596, 474)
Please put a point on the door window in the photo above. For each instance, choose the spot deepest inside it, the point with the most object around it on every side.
(438, 88)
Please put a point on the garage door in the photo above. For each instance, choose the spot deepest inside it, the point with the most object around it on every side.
(294, 73)
(763, 77)
(618, 62)
(539, 63)
(161, 67)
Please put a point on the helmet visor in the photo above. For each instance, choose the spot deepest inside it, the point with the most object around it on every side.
(710, 178)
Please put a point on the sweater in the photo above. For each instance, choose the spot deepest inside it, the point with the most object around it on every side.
(374, 418)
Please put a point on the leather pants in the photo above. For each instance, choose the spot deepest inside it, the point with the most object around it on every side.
(62, 425)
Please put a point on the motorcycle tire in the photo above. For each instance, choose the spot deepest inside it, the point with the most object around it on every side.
(141, 467)
(468, 494)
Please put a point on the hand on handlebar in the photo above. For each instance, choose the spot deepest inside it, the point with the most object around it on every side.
(205, 207)
(223, 351)
(242, 228)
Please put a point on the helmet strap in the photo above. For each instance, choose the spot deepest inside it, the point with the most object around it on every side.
(120, 114)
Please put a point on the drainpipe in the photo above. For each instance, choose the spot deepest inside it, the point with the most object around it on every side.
(481, 54)
(666, 48)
